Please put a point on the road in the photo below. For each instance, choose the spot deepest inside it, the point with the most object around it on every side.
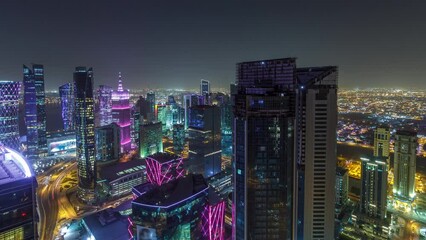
(52, 202)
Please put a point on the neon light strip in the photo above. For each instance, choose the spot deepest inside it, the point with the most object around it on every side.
(21, 161)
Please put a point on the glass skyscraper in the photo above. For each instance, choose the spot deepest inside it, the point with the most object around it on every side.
(66, 93)
(151, 139)
(205, 90)
(85, 133)
(9, 108)
(121, 112)
(35, 113)
(105, 105)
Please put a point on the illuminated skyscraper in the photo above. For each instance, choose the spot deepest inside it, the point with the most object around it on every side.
(316, 126)
(66, 93)
(85, 133)
(35, 113)
(178, 138)
(205, 91)
(107, 139)
(264, 114)
(121, 112)
(105, 105)
(18, 212)
(150, 114)
(189, 100)
(381, 142)
(341, 189)
(205, 149)
(135, 127)
(9, 108)
(405, 165)
(151, 139)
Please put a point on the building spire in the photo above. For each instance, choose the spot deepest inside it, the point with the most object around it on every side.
(120, 83)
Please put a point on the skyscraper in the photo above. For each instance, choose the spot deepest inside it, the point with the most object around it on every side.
(135, 127)
(121, 112)
(341, 189)
(150, 139)
(316, 123)
(381, 142)
(264, 114)
(9, 108)
(205, 149)
(105, 105)
(189, 100)
(66, 93)
(405, 165)
(205, 90)
(107, 139)
(85, 133)
(178, 138)
(18, 213)
(150, 114)
(374, 185)
(35, 113)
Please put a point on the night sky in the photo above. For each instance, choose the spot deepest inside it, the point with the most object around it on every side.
(174, 44)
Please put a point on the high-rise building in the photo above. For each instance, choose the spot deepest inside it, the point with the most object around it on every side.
(205, 91)
(226, 129)
(374, 182)
(162, 168)
(150, 139)
(178, 138)
(9, 108)
(135, 127)
(381, 142)
(264, 114)
(18, 213)
(189, 100)
(341, 185)
(316, 126)
(107, 139)
(405, 165)
(85, 133)
(204, 140)
(66, 94)
(121, 112)
(105, 105)
(151, 114)
(35, 113)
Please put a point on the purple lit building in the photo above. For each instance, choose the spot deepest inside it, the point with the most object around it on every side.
(66, 94)
(105, 105)
(121, 112)
(163, 168)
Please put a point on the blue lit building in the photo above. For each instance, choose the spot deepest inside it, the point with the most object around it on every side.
(35, 113)
(105, 105)
(204, 139)
(205, 90)
(172, 210)
(85, 133)
(9, 108)
(66, 94)
(18, 214)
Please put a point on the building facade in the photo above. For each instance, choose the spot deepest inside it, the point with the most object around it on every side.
(151, 140)
(162, 168)
(9, 109)
(382, 142)
(18, 212)
(405, 165)
(105, 105)
(66, 94)
(178, 138)
(107, 139)
(121, 114)
(85, 133)
(35, 113)
(342, 181)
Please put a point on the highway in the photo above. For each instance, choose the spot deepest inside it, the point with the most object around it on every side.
(52, 202)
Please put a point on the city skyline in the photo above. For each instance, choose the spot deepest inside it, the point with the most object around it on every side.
(166, 44)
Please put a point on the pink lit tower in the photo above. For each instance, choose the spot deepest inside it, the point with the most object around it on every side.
(121, 112)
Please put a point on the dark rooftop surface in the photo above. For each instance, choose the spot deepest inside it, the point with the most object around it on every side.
(174, 191)
(306, 75)
(107, 225)
(406, 133)
(113, 172)
(162, 157)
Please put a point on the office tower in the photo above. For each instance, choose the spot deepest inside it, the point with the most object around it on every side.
(316, 123)
(135, 127)
(105, 105)
(189, 100)
(171, 100)
(226, 130)
(162, 168)
(374, 182)
(66, 94)
(151, 114)
(150, 139)
(381, 142)
(204, 140)
(341, 189)
(18, 213)
(263, 148)
(9, 108)
(178, 138)
(35, 113)
(162, 212)
(121, 112)
(163, 117)
(205, 91)
(85, 133)
(107, 139)
(405, 165)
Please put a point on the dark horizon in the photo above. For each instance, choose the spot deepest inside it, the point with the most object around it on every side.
(175, 44)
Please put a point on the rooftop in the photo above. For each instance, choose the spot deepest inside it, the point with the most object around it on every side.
(162, 157)
(307, 75)
(118, 170)
(174, 192)
(13, 166)
(107, 225)
(406, 133)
